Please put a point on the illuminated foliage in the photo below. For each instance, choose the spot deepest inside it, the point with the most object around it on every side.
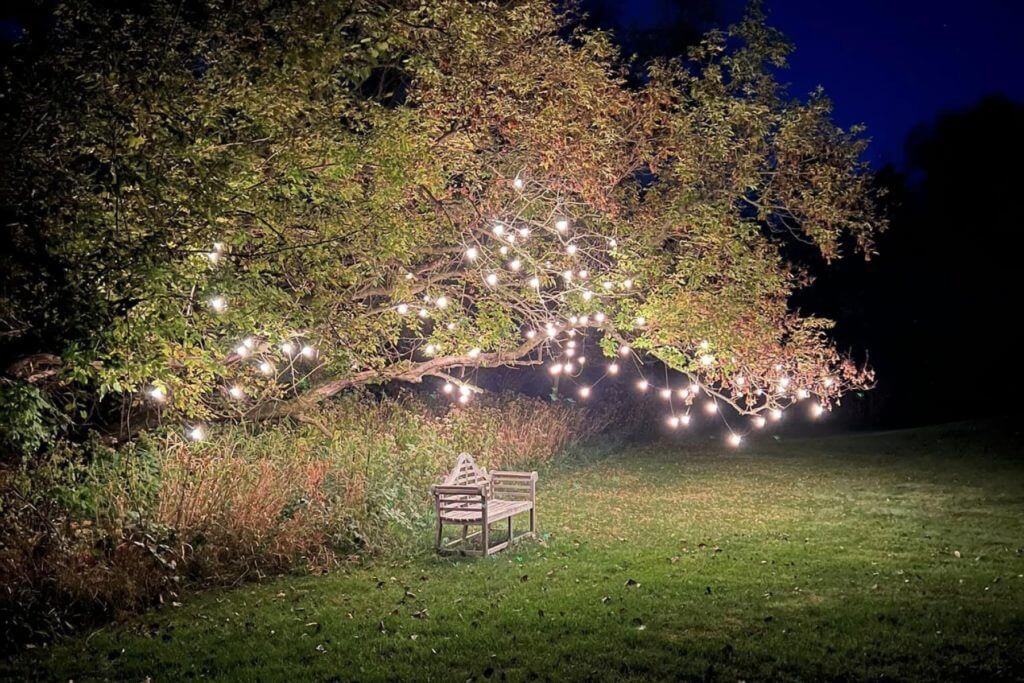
(237, 210)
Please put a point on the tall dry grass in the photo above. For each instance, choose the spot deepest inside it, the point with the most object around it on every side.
(87, 535)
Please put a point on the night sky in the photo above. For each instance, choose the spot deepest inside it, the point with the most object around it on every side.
(890, 64)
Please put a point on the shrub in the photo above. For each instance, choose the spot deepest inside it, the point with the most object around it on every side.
(90, 531)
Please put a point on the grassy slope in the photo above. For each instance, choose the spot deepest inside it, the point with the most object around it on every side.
(829, 558)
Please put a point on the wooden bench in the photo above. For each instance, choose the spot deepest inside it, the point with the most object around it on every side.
(470, 496)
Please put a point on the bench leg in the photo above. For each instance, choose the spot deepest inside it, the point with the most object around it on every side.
(485, 538)
(533, 520)
(437, 541)
(510, 529)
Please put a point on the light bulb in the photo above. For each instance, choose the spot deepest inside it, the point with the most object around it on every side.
(448, 387)
(624, 350)
(707, 360)
(219, 304)
(236, 392)
(498, 229)
(474, 353)
(613, 369)
(816, 410)
(555, 369)
(684, 420)
(710, 407)
(584, 392)
(442, 302)
(492, 279)
(515, 264)
(599, 317)
(571, 249)
(288, 348)
(518, 183)
(673, 422)
(308, 351)
(642, 385)
(759, 422)
(535, 282)
(530, 334)
(665, 394)
(735, 439)
(197, 433)
(402, 309)
(472, 253)
(241, 351)
(158, 394)
(266, 368)
(776, 414)
(561, 225)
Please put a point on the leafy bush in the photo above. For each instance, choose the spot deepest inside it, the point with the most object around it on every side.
(90, 530)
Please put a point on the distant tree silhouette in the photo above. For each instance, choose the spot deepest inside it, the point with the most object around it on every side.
(938, 308)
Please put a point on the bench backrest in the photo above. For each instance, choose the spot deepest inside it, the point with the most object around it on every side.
(466, 473)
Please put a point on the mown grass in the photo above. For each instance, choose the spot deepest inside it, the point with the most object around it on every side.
(897, 556)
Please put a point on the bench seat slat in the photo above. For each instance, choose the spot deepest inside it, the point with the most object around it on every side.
(496, 510)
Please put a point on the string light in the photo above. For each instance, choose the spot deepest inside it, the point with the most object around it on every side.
(524, 232)
(561, 225)
(599, 317)
(555, 369)
(613, 369)
(288, 348)
(197, 433)
(518, 183)
(158, 394)
(584, 392)
(442, 302)
(816, 410)
(472, 253)
(474, 352)
(707, 360)
(535, 282)
(308, 351)
(236, 392)
(665, 394)
(218, 304)
(802, 394)
(624, 350)
(498, 229)
(448, 387)
(683, 393)
(759, 422)
(402, 309)
(530, 334)
(684, 420)
(266, 368)
(430, 349)
(642, 385)
(241, 350)
(571, 249)
(735, 440)
(515, 264)
(673, 422)
(641, 321)
(492, 279)
(710, 407)
(776, 414)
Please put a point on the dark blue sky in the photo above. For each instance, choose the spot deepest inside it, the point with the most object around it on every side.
(890, 64)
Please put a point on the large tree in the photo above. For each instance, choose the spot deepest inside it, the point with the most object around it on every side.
(235, 210)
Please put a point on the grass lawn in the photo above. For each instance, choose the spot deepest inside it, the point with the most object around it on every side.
(897, 555)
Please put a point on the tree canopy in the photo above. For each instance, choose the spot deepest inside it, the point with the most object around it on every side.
(235, 210)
